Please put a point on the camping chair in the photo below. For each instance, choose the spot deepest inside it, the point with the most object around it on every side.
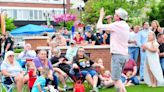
(7, 86)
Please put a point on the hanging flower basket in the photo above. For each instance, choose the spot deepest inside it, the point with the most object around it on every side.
(67, 18)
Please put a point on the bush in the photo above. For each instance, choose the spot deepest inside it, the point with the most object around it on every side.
(18, 50)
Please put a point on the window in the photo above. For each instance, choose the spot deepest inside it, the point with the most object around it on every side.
(25, 14)
(40, 15)
(31, 14)
(19, 14)
(15, 13)
(35, 15)
(9, 12)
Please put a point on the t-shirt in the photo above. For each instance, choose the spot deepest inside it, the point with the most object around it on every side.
(129, 66)
(78, 41)
(9, 40)
(108, 39)
(161, 49)
(30, 54)
(64, 67)
(99, 38)
(119, 33)
(92, 38)
(54, 59)
(83, 63)
(14, 69)
(31, 78)
(40, 80)
(38, 63)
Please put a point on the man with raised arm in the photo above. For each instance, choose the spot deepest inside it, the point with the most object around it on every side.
(119, 31)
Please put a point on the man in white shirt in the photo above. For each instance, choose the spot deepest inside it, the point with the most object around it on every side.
(133, 47)
(119, 31)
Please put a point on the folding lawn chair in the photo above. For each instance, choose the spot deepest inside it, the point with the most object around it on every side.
(7, 86)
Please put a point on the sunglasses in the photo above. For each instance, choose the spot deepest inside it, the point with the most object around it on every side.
(11, 55)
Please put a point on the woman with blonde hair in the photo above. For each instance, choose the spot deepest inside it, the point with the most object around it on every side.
(152, 70)
(12, 71)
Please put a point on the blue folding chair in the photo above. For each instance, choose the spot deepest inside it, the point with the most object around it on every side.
(7, 86)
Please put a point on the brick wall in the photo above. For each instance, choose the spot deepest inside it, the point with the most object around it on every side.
(35, 42)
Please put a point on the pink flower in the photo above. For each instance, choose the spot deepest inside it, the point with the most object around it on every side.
(64, 17)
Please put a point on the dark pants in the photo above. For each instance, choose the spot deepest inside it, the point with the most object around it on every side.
(53, 82)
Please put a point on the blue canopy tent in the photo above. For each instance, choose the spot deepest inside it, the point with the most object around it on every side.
(31, 29)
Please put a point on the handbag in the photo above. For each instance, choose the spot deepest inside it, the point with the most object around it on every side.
(78, 86)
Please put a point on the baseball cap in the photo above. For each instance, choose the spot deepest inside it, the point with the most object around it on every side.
(123, 14)
(72, 42)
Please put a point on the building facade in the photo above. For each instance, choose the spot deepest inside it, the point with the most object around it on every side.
(33, 11)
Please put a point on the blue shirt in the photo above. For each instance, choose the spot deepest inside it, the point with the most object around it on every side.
(142, 37)
(39, 81)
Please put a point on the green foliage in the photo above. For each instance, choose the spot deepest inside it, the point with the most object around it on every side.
(93, 6)
(68, 24)
(157, 12)
(18, 50)
(9, 24)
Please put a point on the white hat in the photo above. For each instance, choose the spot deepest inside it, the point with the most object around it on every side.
(123, 14)
(72, 42)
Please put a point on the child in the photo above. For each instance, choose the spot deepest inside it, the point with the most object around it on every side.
(31, 74)
(106, 80)
(152, 71)
(41, 81)
(99, 67)
(104, 75)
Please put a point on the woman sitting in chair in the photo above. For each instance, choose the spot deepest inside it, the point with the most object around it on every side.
(83, 62)
(12, 71)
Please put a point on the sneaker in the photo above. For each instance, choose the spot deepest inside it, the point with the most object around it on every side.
(66, 88)
(141, 79)
(46, 88)
(95, 89)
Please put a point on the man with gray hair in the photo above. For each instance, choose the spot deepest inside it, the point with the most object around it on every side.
(119, 31)
(26, 54)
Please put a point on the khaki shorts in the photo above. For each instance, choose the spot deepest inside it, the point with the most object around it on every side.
(117, 65)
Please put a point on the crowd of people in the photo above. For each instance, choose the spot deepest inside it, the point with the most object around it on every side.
(40, 69)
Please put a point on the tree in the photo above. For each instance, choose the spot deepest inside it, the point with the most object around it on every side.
(91, 13)
(157, 13)
(9, 24)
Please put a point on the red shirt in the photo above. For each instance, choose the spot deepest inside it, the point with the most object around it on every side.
(31, 78)
(129, 66)
(78, 41)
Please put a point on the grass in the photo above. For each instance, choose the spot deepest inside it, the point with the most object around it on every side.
(138, 88)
